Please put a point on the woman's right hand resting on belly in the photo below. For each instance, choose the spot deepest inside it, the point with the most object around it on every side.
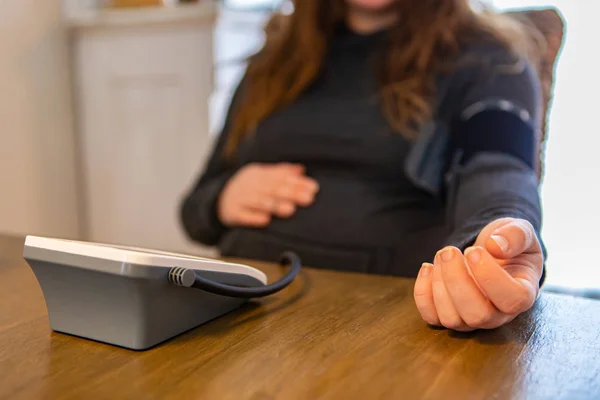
(258, 192)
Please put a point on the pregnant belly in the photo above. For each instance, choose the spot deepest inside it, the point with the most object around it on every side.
(361, 213)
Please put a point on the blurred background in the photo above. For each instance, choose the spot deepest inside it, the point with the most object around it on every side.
(108, 109)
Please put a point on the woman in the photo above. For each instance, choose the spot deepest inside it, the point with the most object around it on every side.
(374, 135)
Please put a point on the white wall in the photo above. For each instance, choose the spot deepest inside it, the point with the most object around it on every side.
(37, 157)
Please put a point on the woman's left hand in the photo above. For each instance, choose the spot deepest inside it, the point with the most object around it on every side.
(489, 285)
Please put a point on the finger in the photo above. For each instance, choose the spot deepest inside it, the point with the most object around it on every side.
(283, 169)
(447, 314)
(253, 218)
(295, 168)
(424, 296)
(303, 183)
(260, 202)
(507, 294)
(298, 189)
(284, 209)
(468, 300)
(512, 239)
(271, 205)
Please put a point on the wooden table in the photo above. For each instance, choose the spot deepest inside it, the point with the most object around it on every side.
(329, 336)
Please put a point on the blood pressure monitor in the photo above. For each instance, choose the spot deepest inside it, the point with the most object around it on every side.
(137, 298)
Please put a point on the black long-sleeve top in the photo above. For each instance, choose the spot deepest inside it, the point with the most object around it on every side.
(368, 216)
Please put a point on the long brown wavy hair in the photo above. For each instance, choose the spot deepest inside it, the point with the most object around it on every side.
(427, 38)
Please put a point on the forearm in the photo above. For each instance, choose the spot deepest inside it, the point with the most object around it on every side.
(489, 187)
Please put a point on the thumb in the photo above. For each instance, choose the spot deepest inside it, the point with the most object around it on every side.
(512, 239)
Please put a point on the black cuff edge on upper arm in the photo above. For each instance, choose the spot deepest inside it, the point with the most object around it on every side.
(495, 131)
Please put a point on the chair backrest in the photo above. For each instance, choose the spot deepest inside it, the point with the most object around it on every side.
(550, 24)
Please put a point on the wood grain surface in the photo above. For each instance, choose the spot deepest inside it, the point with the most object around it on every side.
(329, 336)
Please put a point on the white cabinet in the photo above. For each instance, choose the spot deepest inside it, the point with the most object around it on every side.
(143, 84)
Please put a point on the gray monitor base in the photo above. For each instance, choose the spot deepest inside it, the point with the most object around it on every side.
(133, 313)
(128, 304)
